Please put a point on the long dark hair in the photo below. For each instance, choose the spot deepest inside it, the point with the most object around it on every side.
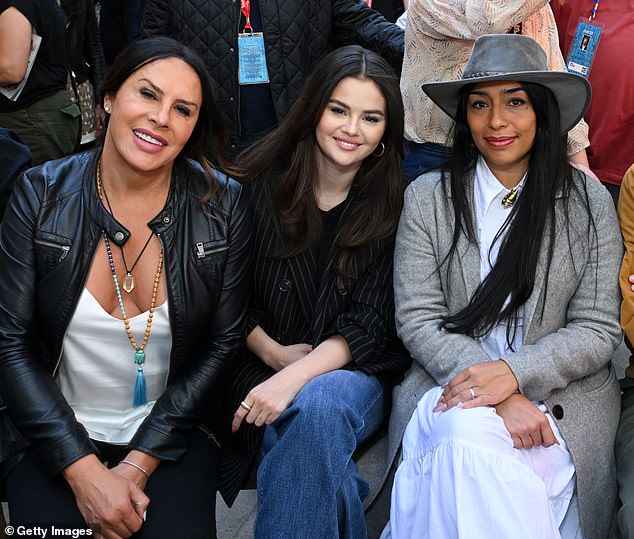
(207, 143)
(530, 225)
(290, 153)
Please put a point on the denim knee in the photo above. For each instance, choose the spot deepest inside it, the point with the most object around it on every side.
(339, 398)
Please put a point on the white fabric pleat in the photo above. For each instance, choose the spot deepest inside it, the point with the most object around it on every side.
(462, 477)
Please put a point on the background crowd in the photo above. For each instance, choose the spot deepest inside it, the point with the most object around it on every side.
(316, 218)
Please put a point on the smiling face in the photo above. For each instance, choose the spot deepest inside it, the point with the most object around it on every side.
(351, 126)
(152, 115)
(503, 126)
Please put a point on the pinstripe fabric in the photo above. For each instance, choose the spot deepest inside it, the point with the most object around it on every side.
(291, 307)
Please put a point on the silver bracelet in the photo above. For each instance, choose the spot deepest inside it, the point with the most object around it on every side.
(135, 465)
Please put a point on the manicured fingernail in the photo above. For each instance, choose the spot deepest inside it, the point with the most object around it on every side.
(440, 407)
(460, 405)
(144, 515)
(233, 429)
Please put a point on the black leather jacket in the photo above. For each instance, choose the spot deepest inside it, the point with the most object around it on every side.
(48, 238)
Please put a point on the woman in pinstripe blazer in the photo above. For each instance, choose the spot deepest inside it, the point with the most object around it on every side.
(327, 191)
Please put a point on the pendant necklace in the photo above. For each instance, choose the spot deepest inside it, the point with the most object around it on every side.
(128, 280)
(140, 394)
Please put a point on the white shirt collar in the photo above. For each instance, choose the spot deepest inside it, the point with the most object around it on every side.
(488, 188)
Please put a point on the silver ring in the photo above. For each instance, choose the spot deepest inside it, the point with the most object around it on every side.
(473, 395)
(245, 406)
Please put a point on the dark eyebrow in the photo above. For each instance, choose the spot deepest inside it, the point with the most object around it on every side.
(506, 91)
(159, 91)
(343, 105)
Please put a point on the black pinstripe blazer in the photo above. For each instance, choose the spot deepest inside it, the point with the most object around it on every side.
(291, 307)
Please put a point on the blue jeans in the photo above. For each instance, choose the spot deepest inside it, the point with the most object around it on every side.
(420, 158)
(308, 484)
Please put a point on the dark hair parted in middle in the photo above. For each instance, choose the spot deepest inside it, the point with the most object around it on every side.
(531, 222)
(291, 151)
(208, 141)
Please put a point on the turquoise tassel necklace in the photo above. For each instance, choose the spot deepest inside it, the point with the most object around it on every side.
(140, 396)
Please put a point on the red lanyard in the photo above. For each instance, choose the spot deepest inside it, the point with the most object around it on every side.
(245, 7)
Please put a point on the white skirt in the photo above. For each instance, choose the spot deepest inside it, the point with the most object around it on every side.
(462, 477)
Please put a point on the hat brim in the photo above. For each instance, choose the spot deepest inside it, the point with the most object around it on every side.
(573, 92)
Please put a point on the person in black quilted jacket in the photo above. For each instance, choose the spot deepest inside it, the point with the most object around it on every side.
(257, 92)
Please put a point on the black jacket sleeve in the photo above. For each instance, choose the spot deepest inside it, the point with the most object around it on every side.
(354, 22)
(26, 384)
(165, 432)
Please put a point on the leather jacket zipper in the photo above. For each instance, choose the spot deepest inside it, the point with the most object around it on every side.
(63, 248)
(201, 252)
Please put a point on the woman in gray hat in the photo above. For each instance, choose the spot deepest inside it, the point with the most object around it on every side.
(507, 297)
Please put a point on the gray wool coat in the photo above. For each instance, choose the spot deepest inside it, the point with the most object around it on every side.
(565, 357)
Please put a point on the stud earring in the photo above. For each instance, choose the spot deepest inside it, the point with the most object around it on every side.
(107, 108)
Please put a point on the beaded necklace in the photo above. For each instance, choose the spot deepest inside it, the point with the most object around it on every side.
(140, 397)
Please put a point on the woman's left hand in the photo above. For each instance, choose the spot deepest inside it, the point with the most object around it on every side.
(484, 384)
(268, 400)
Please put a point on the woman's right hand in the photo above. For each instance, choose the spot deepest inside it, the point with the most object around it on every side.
(111, 505)
(526, 423)
(282, 356)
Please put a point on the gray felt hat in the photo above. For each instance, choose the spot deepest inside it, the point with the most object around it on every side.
(518, 58)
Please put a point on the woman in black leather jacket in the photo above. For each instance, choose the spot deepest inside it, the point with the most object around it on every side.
(125, 286)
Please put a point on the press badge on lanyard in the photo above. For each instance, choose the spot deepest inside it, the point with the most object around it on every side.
(251, 55)
(584, 44)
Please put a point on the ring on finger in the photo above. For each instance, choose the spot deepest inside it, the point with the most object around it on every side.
(246, 406)
(473, 395)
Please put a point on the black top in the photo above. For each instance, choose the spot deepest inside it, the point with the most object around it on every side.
(49, 70)
(329, 220)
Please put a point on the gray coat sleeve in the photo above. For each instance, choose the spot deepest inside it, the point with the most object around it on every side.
(419, 291)
(581, 314)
